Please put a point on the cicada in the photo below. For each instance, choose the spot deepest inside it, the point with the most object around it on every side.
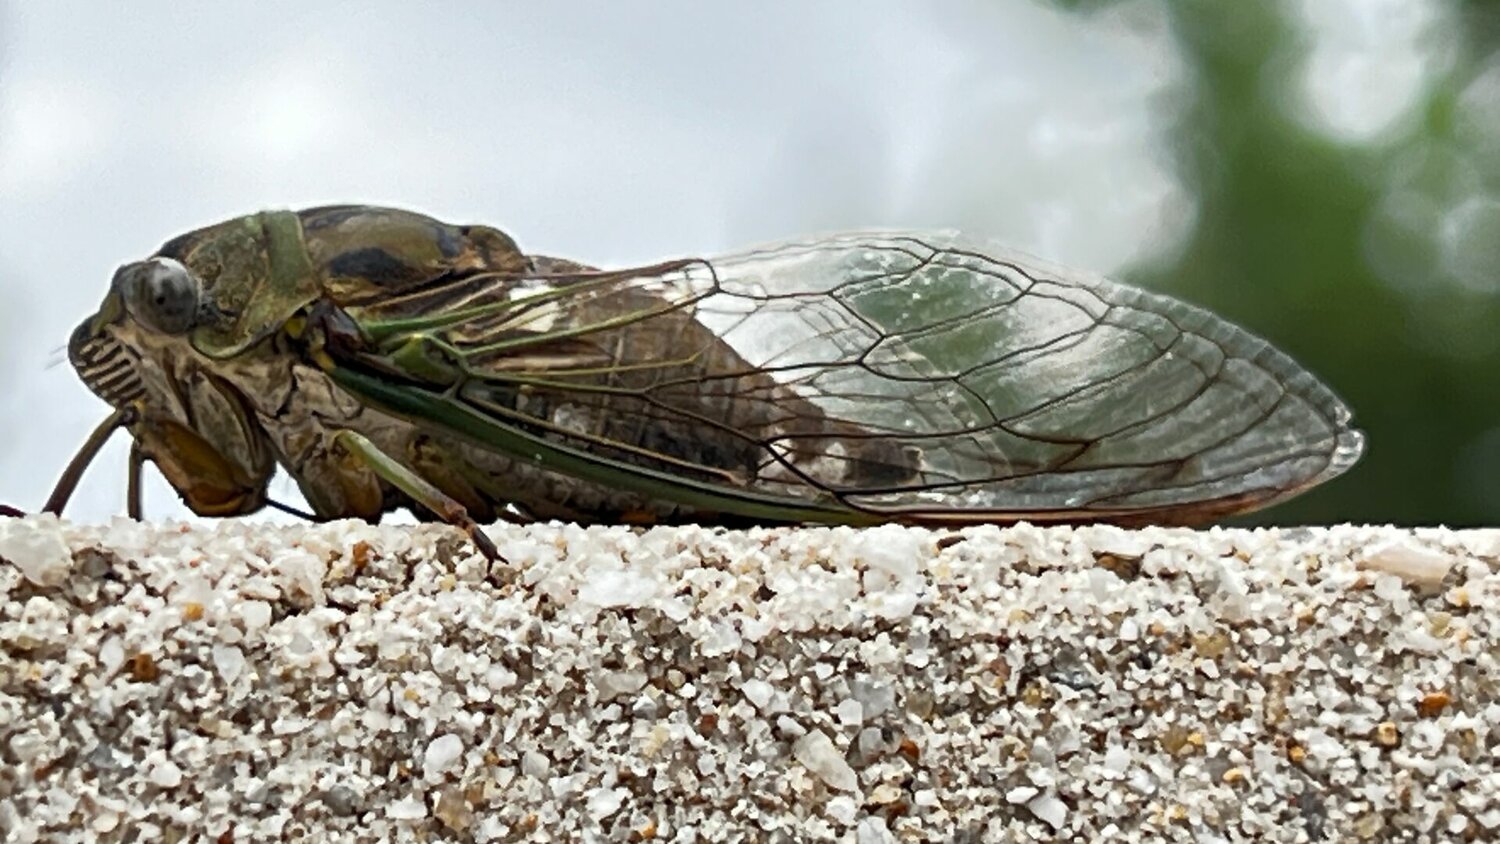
(385, 359)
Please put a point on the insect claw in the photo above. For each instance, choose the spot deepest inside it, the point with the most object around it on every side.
(11, 512)
(484, 544)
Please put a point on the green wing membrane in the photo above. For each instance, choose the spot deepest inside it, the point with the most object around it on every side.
(853, 379)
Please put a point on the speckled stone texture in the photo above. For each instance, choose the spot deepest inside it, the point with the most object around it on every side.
(350, 682)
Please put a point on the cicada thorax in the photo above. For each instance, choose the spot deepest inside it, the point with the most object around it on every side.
(261, 269)
(370, 256)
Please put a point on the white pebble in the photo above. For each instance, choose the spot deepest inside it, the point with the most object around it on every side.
(604, 802)
(301, 573)
(229, 661)
(1409, 561)
(36, 547)
(874, 696)
(872, 830)
(1116, 760)
(165, 774)
(534, 764)
(890, 549)
(816, 752)
(1021, 793)
(111, 654)
(442, 753)
(406, 809)
(1050, 810)
(255, 615)
(612, 684)
(850, 712)
(618, 588)
(842, 808)
(758, 692)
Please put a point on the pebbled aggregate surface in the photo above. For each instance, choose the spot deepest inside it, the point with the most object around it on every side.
(247, 682)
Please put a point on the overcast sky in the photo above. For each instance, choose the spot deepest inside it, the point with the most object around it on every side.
(609, 132)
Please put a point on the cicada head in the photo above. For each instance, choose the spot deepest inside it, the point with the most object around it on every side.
(136, 354)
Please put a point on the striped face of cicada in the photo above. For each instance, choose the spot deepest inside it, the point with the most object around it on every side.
(135, 354)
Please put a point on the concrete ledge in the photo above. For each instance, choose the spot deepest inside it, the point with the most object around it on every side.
(350, 682)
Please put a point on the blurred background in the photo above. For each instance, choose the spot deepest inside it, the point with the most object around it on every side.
(1323, 172)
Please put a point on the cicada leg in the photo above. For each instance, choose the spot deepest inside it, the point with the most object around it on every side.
(290, 510)
(133, 507)
(74, 472)
(473, 487)
(418, 488)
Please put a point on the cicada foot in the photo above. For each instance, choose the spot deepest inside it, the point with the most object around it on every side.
(11, 512)
(420, 490)
(483, 543)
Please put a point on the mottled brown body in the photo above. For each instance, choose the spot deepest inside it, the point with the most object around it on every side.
(375, 354)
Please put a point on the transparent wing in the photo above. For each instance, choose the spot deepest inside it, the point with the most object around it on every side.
(917, 376)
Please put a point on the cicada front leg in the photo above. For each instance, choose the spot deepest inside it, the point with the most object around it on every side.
(445, 506)
(133, 507)
(120, 418)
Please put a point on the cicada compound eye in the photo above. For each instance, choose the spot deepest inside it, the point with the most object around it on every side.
(161, 293)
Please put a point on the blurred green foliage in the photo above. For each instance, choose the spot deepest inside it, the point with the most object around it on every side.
(1288, 221)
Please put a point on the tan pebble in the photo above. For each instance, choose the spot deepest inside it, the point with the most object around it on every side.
(1234, 776)
(453, 810)
(1369, 826)
(192, 611)
(143, 668)
(1001, 669)
(361, 553)
(1432, 705)
(1439, 623)
(1033, 695)
(909, 749)
(1387, 734)
(1179, 741)
(1125, 568)
(1211, 645)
